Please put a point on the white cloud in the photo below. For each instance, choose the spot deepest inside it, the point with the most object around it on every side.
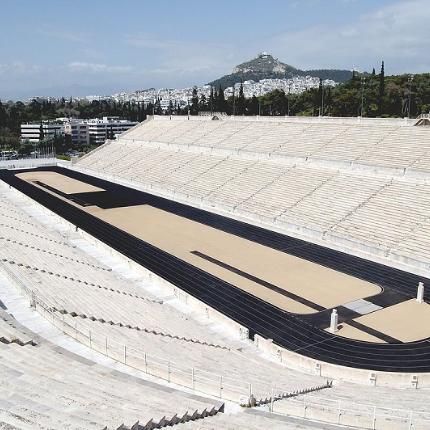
(398, 33)
(18, 67)
(81, 66)
(67, 35)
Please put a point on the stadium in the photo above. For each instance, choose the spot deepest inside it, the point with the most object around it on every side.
(215, 272)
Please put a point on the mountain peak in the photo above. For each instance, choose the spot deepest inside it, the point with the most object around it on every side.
(264, 64)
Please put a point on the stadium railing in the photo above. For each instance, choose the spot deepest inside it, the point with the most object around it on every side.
(27, 163)
(307, 406)
(352, 414)
(199, 380)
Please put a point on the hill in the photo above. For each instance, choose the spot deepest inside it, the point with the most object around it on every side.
(265, 66)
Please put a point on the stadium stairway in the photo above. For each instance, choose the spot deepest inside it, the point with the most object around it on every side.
(45, 386)
(255, 419)
(173, 421)
(281, 396)
(137, 328)
(10, 333)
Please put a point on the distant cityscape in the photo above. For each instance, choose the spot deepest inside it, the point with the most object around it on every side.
(95, 131)
(182, 96)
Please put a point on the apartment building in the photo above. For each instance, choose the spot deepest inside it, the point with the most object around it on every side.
(100, 129)
(33, 132)
(78, 131)
(82, 131)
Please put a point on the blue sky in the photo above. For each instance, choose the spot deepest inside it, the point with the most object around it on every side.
(65, 47)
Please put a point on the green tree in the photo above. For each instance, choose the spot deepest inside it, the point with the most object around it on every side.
(3, 116)
(221, 103)
(203, 104)
(109, 133)
(253, 106)
(211, 99)
(41, 133)
(320, 94)
(381, 92)
(194, 102)
(241, 101)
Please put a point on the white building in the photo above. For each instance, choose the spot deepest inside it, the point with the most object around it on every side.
(82, 131)
(294, 85)
(32, 132)
(78, 130)
(98, 129)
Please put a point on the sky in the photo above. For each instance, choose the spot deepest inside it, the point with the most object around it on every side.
(87, 47)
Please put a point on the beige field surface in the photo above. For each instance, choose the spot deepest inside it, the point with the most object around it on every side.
(350, 332)
(407, 321)
(59, 182)
(180, 236)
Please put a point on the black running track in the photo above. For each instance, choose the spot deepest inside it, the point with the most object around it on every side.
(299, 333)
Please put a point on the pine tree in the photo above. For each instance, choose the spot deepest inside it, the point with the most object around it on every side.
(319, 98)
(234, 101)
(328, 100)
(211, 99)
(3, 115)
(221, 100)
(253, 105)
(203, 105)
(373, 72)
(41, 133)
(381, 92)
(194, 102)
(241, 101)
(158, 110)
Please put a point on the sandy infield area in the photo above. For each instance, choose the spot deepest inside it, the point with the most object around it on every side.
(180, 236)
(407, 321)
(350, 332)
(59, 182)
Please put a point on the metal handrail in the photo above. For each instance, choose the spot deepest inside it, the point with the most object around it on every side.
(114, 348)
